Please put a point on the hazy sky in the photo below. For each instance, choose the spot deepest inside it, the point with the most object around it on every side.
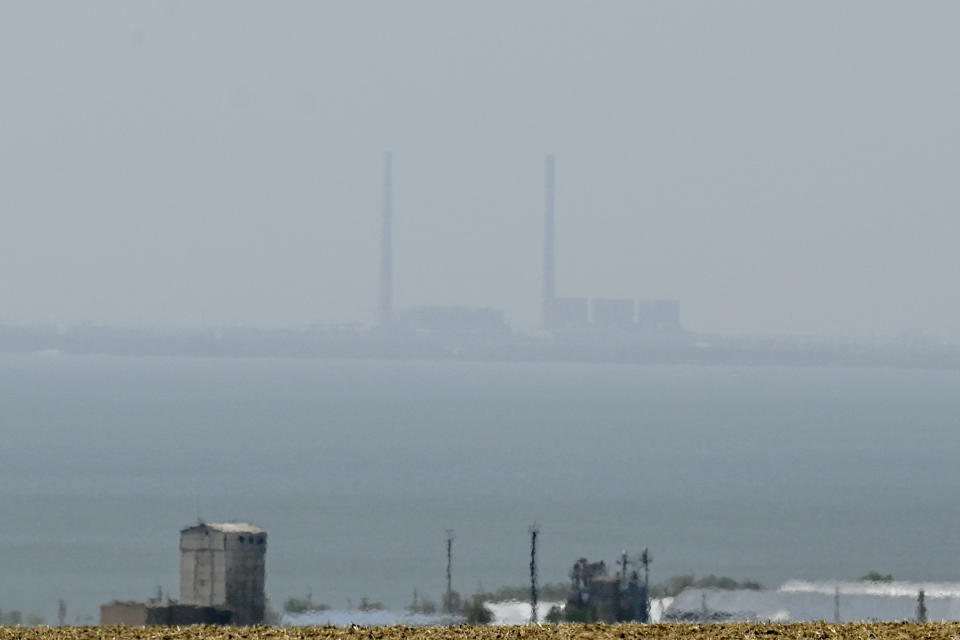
(777, 167)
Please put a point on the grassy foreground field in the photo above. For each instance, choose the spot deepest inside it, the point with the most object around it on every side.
(744, 631)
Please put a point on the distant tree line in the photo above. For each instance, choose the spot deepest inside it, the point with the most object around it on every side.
(876, 576)
(297, 606)
(548, 591)
(673, 585)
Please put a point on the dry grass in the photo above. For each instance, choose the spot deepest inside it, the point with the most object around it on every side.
(741, 631)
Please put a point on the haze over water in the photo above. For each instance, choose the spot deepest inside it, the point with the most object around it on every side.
(777, 168)
(356, 468)
(780, 169)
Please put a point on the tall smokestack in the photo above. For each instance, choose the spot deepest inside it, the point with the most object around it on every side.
(546, 297)
(386, 245)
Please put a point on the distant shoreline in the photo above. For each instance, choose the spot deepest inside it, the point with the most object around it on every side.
(671, 348)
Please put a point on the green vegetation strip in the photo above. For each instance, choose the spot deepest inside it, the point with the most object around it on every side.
(740, 631)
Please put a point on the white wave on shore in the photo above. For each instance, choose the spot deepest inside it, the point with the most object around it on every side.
(511, 612)
(889, 589)
(798, 600)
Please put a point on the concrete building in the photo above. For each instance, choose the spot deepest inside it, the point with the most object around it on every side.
(154, 612)
(658, 315)
(133, 614)
(176, 614)
(612, 313)
(223, 565)
(567, 313)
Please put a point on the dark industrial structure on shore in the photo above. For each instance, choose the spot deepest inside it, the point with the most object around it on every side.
(596, 596)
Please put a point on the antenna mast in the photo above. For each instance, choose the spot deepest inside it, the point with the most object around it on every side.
(534, 530)
(448, 598)
(623, 569)
(645, 560)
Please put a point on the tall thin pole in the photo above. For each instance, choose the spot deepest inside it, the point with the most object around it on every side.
(448, 599)
(623, 569)
(645, 559)
(548, 292)
(386, 244)
(534, 530)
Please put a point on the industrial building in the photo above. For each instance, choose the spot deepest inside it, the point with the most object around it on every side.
(224, 565)
(569, 317)
(566, 313)
(155, 612)
(133, 614)
(599, 597)
(613, 314)
(608, 315)
(222, 580)
(658, 315)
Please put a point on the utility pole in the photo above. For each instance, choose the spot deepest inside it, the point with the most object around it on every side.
(448, 598)
(921, 607)
(645, 560)
(534, 530)
(623, 569)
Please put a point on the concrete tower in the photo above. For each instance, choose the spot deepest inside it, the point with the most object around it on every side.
(385, 315)
(223, 565)
(547, 294)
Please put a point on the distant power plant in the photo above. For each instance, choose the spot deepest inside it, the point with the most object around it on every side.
(386, 244)
(557, 314)
(575, 313)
